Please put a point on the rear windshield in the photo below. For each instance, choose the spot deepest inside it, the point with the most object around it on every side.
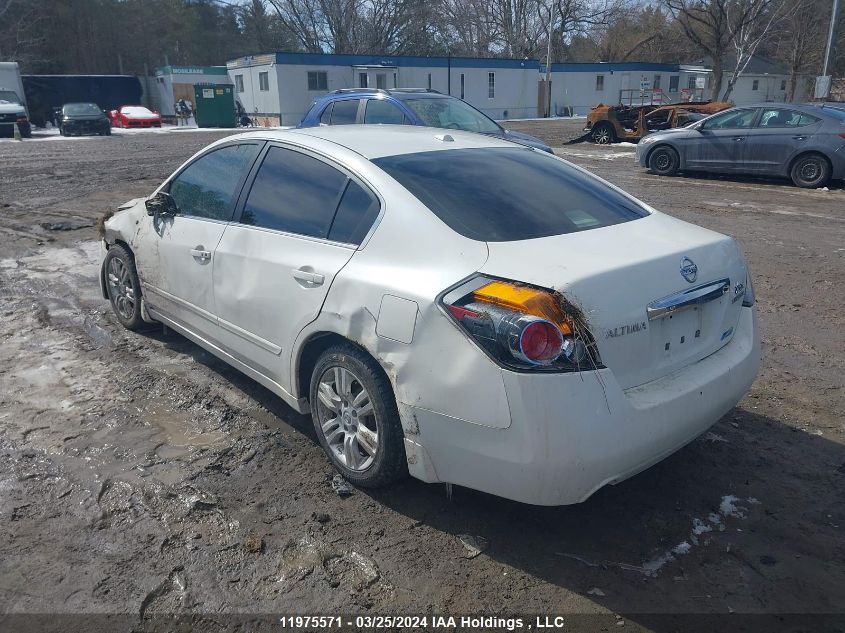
(508, 194)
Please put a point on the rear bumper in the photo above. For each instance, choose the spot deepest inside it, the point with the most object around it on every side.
(572, 434)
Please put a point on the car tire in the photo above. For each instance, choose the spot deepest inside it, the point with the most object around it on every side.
(351, 400)
(603, 134)
(810, 171)
(664, 161)
(62, 131)
(123, 287)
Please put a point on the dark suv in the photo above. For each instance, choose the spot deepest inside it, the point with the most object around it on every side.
(408, 107)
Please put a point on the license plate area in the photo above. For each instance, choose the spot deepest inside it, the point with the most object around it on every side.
(681, 334)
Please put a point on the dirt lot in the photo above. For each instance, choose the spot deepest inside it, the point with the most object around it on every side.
(140, 475)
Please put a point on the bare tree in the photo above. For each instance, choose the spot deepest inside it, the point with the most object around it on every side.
(750, 27)
(799, 41)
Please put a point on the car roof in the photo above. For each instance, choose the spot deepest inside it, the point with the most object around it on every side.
(376, 141)
(399, 93)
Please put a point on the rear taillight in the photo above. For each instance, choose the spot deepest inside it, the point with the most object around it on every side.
(21, 118)
(522, 327)
(842, 135)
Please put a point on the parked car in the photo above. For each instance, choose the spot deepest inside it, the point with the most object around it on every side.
(83, 118)
(803, 142)
(12, 111)
(458, 306)
(612, 124)
(134, 117)
(408, 107)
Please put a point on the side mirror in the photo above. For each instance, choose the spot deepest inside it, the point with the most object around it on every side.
(161, 204)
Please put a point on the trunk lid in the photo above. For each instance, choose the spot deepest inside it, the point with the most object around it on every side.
(614, 273)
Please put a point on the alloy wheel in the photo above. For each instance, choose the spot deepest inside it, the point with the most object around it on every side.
(347, 418)
(121, 288)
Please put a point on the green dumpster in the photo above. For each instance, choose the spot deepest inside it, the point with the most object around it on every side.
(214, 105)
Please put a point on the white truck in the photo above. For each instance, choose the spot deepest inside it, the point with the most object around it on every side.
(12, 101)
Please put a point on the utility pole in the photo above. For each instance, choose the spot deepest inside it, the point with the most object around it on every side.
(830, 37)
(549, 62)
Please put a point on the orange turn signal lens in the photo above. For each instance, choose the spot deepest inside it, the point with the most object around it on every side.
(526, 300)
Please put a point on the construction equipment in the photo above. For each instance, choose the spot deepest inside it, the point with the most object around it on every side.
(612, 124)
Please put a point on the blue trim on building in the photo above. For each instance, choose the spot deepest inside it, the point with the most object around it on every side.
(319, 59)
(610, 67)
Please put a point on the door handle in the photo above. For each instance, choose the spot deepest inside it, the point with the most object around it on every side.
(799, 138)
(739, 138)
(307, 276)
(201, 254)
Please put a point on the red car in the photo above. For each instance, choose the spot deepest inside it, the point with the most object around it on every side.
(134, 116)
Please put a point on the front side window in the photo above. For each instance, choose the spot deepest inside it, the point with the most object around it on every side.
(381, 111)
(239, 83)
(264, 81)
(505, 194)
(599, 83)
(318, 80)
(326, 117)
(491, 85)
(207, 187)
(731, 120)
(452, 113)
(345, 112)
(295, 193)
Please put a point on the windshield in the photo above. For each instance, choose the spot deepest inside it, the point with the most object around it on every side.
(454, 114)
(9, 97)
(504, 194)
(76, 109)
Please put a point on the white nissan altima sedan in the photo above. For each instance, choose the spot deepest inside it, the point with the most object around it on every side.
(444, 304)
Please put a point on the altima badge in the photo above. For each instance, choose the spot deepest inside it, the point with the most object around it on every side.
(689, 270)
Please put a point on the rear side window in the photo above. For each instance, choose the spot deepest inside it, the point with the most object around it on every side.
(383, 112)
(207, 187)
(786, 118)
(295, 193)
(345, 112)
(503, 195)
(356, 213)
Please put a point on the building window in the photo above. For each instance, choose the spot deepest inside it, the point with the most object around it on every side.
(429, 81)
(599, 83)
(462, 85)
(674, 80)
(783, 84)
(239, 83)
(755, 85)
(656, 84)
(491, 85)
(691, 82)
(264, 81)
(363, 80)
(381, 81)
(318, 80)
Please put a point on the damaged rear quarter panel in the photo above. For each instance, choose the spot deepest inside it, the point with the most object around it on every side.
(440, 369)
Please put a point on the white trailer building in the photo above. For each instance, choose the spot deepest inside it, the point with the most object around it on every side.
(577, 87)
(278, 88)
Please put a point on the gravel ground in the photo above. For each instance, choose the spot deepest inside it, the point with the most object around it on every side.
(142, 476)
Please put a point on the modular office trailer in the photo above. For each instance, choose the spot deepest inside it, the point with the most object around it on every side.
(278, 88)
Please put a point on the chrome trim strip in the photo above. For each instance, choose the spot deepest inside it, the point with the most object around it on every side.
(180, 302)
(249, 336)
(687, 299)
